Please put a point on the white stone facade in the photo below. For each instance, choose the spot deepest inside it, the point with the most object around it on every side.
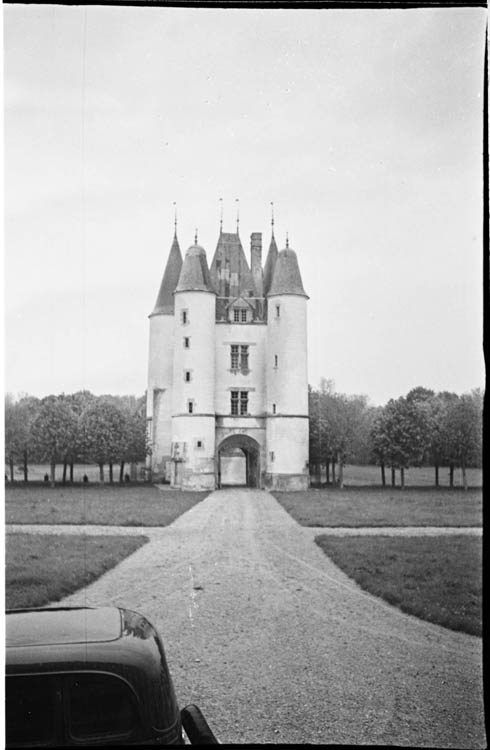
(227, 380)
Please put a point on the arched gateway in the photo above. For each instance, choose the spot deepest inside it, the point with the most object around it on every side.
(238, 462)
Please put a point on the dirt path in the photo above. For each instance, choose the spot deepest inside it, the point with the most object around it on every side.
(276, 644)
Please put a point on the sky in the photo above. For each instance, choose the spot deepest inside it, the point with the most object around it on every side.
(363, 127)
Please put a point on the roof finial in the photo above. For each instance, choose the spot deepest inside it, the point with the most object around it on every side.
(175, 219)
(221, 216)
(272, 217)
(237, 201)
(195, 238)
(287, 240)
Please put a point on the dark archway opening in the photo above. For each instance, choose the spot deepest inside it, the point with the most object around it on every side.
(238, 462)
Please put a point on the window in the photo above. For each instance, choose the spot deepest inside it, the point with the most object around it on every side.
(185, 317)
(243, 402)
(273, 408)
(187, 376)
(271, 455)
(239, 357)
(236, 315)
(187, 342)
(190, 407)
(278, 311)
(199, 443)
(275, 360)
(239, 403)
(243, 316)
(244, 357)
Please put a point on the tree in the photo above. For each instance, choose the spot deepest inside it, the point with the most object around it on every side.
(401, 435)
(134, 446)
(102, 434)
(463, 425)
(53, 431)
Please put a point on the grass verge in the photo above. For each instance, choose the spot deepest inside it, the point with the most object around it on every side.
(354, 507)
(142, 505)
(44, 568)
(438, 579)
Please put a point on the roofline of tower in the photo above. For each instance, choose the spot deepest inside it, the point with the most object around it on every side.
(205, 291)
(288, 294)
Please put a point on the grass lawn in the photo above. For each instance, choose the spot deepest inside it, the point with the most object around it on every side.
(361, 506)
(140, 505)
(438, 579)
(40, 569)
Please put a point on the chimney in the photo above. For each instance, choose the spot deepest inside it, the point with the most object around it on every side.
(256, 262)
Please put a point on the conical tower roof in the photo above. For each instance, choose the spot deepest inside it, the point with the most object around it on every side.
(287, 277)
(165, 300)
(195, 276)
(270, 264)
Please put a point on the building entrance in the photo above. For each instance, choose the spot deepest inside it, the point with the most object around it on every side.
(238, 462)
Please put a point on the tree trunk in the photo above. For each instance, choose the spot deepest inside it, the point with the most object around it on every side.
(393, 478)
(65, 467)
(436, 469)
(11, 465)
(451, 475)
(383, 475)
(53, 472)
(111, 476)
(341, 472)
(101, 472)
(327, 473)
(71, 472)
(333, 472)
(121, 472)
(402, 478)
(26, 471)
(465, 479)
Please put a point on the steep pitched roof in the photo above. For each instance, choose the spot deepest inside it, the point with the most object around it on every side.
(287, 278)
(165, 299)
(270, 264)
(230, 271)
(195, 273)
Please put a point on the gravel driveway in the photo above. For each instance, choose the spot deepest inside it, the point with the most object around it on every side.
(276, 644)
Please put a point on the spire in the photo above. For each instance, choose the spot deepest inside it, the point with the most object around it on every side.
(195, 237)
(272, 217)
(194, 276)
(287, 241)
(237, 201)
(164, 304)
(286, 278)
(175, 220)
(221, 216)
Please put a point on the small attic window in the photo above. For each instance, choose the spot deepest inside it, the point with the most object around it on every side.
(278, 311)
(190, 407)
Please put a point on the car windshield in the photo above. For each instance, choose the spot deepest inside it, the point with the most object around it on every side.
(30, 710)
(100, 705)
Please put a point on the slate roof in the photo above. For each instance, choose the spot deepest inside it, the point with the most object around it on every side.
(195, 274)
(230, 272)
(287, 278)
(270, 264)
(164, 304)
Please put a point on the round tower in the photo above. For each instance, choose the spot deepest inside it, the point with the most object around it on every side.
(287, 377)
(160, 368)
(193, 407)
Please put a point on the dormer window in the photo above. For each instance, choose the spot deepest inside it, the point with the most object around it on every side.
(240, 315)
(236, 315)
(243, 316)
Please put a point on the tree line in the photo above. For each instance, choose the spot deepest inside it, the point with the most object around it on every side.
(74, 428)
(422, 428)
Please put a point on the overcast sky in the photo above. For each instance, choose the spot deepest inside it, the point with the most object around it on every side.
(363, 126)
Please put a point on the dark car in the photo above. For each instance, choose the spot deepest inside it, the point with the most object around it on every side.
(91, 676)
